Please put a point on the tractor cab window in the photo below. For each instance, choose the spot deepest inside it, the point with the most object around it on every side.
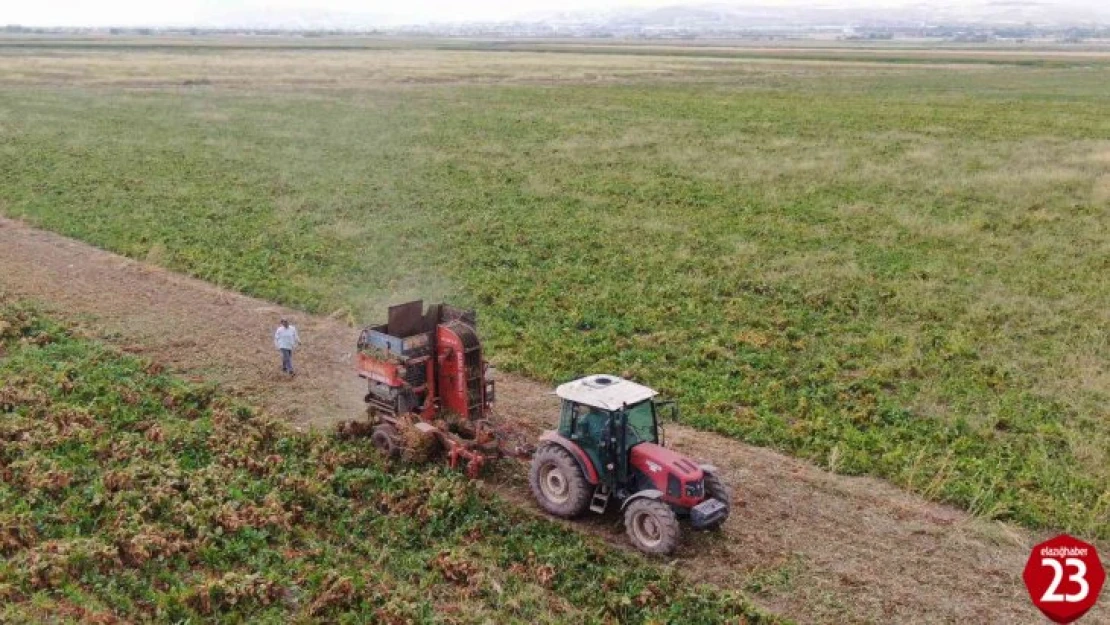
(589, 423)
(641, 423)
(566, 417)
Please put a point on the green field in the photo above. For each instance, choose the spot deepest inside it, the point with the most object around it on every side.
(129, 494)
(895, 269)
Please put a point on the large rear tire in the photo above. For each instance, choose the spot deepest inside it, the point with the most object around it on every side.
(652, 526)
(387, 440)
(715, 488)
(557, 482)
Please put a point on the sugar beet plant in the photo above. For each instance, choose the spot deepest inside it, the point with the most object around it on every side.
(127, 494)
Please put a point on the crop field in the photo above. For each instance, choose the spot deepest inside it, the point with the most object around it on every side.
(890, 268)
(128, 495)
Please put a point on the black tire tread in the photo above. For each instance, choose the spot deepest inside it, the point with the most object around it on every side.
(580, 489)
(667, 520)
(385, 432)
(716, 488)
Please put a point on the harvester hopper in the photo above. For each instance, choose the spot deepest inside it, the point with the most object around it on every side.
(428, 386)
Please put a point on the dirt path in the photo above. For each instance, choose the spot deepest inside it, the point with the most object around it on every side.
(811, 545)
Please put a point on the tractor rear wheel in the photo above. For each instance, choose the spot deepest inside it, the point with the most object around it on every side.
(715, 488)
(387, 440)
(557, 482)
(652, 526)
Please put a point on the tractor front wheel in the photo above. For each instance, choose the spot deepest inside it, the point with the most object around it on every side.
(651, 526)
(387, 440)
(715, 488)
(557, 482)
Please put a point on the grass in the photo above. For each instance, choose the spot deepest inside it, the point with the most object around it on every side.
(128, 494)
(896, 271)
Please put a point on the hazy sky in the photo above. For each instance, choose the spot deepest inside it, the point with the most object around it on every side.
(386, 12)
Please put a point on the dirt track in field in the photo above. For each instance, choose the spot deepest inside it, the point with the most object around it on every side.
(810, 545)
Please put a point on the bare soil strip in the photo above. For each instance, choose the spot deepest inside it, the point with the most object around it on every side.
(811, 545)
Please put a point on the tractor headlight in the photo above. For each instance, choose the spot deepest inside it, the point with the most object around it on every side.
(695, 488)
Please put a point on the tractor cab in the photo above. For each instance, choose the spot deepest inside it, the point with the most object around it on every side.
(606, 417)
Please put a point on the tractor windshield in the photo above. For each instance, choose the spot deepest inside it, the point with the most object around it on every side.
(641, 423)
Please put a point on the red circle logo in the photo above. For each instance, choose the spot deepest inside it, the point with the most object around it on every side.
(1064, 577)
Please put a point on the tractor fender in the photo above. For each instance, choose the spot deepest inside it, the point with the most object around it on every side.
(644, 494)
(708, 468)
(584, 463)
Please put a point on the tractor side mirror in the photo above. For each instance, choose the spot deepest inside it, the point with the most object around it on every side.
(668, 408)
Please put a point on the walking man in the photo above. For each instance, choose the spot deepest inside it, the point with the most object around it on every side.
(286, 339)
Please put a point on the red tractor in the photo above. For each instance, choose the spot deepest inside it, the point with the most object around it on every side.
(609, 445)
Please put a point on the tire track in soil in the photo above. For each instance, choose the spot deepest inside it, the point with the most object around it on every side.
(805, 543)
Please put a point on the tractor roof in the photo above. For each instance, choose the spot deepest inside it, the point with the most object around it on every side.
(607, 392)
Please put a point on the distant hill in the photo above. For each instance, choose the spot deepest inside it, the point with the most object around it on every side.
(752, 16)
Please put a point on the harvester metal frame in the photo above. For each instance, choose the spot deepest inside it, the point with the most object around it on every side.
(426, 376)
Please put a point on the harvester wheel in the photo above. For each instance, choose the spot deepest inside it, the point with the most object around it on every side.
(557, 482)
(715, 488)
(651, 526)
(386, 439)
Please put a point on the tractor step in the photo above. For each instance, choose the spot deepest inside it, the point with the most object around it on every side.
(600, 499)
